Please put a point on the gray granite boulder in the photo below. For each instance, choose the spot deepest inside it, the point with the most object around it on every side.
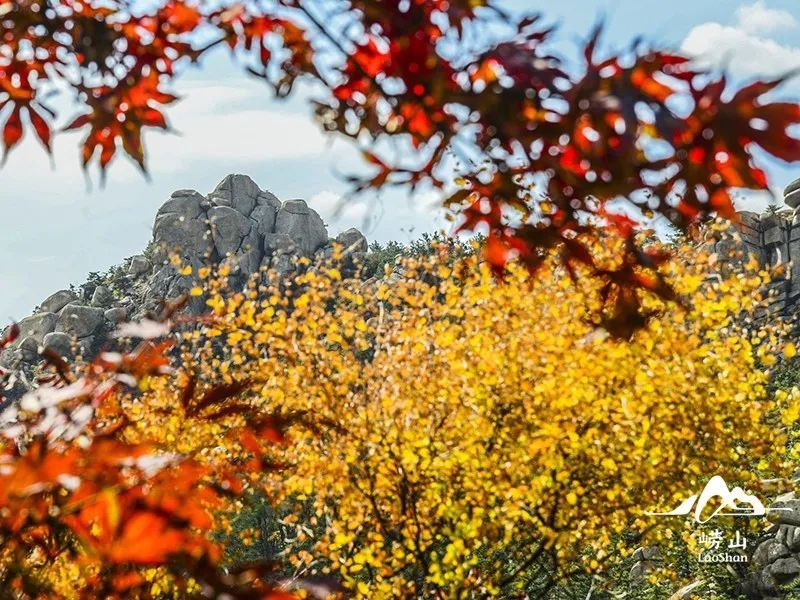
(791, 194)
(229, 227)
(55, 302)
(102, 296)
(139, 266)
(236, 191)
(248, 260)
(775, 561)
(181, 227)
(29, 349)
(279, 243)
(80, 321)
(303, 225)
(158, 285)
(785, 512)
(766, 583)
(58, 342)
(167, 284)
(115, 315)
(37, 326)
(352, 240)
(264, 213)
(792, 537)
(688, 591)
(768, 552)
(9, 358)
(281, 264)
(186, 203)
(645, 560)
(785, 569)
(87, 347)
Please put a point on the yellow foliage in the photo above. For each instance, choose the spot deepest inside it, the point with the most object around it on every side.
(455, 416)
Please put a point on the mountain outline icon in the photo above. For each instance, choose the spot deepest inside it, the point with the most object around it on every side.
(735, 502)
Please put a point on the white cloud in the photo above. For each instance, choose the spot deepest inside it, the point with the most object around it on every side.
(223, 125)
(247, 135)
(758, 18)
(739, 52)
(745, 48)
(232, 123)
(210, 98)
(757, 201)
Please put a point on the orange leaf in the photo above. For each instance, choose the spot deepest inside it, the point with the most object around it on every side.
(146, 539)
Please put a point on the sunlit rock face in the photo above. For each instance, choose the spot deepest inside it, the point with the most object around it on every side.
(237, 223)
(773, 239)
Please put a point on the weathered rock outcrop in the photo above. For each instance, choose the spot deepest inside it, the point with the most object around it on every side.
(773, 238)
(37, 326)
(237, 223)
(775, 560)
(57, 301)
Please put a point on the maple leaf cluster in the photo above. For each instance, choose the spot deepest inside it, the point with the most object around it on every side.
(522, 148)
(116, 62)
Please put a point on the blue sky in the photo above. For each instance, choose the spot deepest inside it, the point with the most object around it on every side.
(57, 227)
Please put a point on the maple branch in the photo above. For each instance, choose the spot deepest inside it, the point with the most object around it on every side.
(322, 29)
(207, 47)
(337, 44)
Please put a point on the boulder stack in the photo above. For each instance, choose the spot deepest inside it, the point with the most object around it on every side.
(773, 238)
(237, 223)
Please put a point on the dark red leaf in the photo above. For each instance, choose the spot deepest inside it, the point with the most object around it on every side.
(41, 128)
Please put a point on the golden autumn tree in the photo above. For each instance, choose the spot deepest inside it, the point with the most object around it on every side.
(457, 436)
(455, 432)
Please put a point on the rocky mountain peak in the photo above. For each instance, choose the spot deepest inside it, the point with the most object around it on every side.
(237, 223)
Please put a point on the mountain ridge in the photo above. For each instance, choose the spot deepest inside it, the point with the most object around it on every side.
(238, 224)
